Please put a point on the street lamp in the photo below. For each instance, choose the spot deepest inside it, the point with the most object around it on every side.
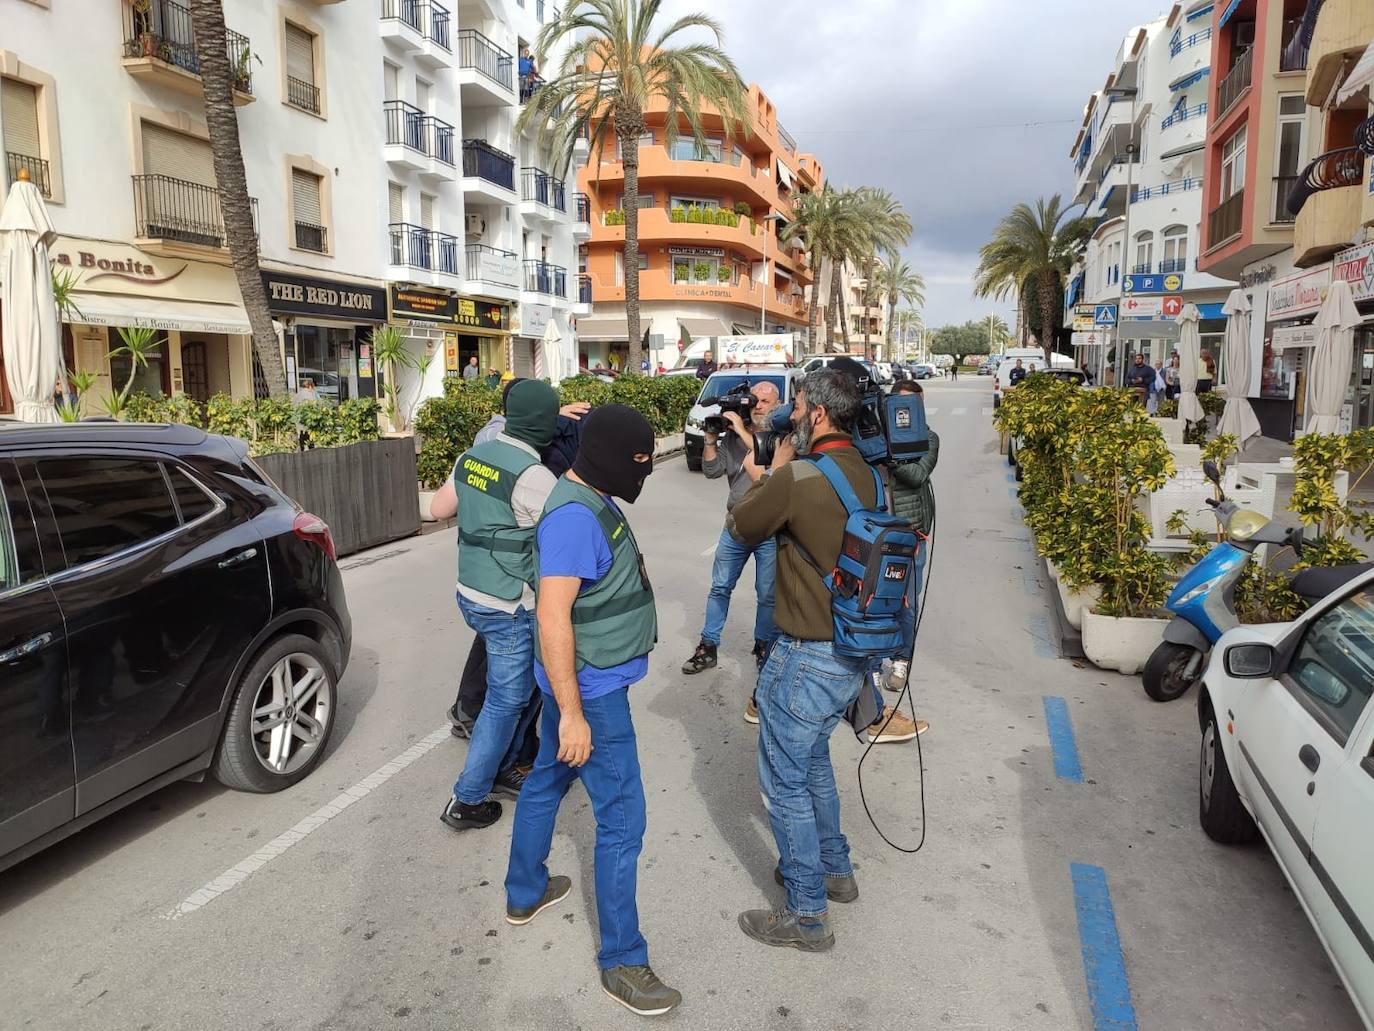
(776, 219)
(1133, 93)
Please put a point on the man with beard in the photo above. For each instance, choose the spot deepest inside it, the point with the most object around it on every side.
(597, 625)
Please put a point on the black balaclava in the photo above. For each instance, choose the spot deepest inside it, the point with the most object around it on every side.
(531, 413)
(505, 391)
(611, 436)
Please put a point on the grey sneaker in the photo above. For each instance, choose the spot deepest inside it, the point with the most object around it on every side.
(783, 928)
(557, 891)
(838, 888)
(897, 676)
(639, 990)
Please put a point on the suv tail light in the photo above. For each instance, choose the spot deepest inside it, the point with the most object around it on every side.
(315, 530)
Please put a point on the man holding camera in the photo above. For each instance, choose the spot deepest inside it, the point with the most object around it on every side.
(733, 458)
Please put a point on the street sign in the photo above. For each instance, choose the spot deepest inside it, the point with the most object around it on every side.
(1173, 283)
(1152, 284)
(1089, 339)
(1142, 307)
(1105, 315)
(1173, 307)
(1083, 310)
(1083, 323)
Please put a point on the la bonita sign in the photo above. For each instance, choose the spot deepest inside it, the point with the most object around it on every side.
(124, 266)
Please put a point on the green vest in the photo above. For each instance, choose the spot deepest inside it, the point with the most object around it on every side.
(495, 556)
(614, 620)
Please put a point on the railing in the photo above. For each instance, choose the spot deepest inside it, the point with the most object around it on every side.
(584, 207)
(417, 247)
(440, 139)
(1237, 81)
(1283, 186)
(1176, 186)
(1226, 219)
(542, 188)
(163, 30)
(174, 209)
(1183, 114)
(1118, 160)
(1141, 270)
(1173, 265)
(37, 169)
(1182, 43)
(310, 237)
(439, 23)
(584, 288)
(482, 160)
(302, 94)
(1293, 58)
(688, 149)
(431, 20)
(543, 278)
(529, 86)
(475, 252)
(786, 139)
(481, 54)
(405, 125)
(1331, 171)
(411, 12)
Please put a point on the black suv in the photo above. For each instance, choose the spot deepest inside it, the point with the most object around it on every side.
(164, 610)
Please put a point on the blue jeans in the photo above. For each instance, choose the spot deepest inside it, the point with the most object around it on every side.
(611, 779)
(512, 697)
(803, 691)
(731, 555)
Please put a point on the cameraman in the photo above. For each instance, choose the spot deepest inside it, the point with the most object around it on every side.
(734, 459)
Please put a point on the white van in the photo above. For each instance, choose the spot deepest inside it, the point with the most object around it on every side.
(1032, 359)
(784, 377)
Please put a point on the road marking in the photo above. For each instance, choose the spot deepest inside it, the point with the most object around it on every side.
(245, 868)
(1062, 743)
(960, 411)
(987, 409)
(932, 409)
(1104, 966)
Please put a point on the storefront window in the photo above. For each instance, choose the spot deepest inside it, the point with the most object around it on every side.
(1363, 379)
(151, 379)
(324, 355)
(700, 270)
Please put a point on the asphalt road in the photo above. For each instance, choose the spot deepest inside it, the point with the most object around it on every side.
(344, 903)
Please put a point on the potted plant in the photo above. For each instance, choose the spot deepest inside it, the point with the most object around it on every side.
(703, 271)
(678, 213)
(742, 209)
(723, 274)
(681, 272)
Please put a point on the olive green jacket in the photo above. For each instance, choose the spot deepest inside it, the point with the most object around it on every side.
(913, 497)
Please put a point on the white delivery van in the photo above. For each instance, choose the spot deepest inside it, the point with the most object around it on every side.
(784, 377)
(1032, 359)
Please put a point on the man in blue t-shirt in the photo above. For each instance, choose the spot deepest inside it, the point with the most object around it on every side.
(596, 626)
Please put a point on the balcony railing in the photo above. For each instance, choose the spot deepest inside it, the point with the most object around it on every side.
(1183, 114)
(543, 278)
(1283, 186)
(1226, 219)
(1330, 171)
(478, 255)
(542, 188)
(302, 94)
(429, 19)
(686, 148)
(310, 237)
(584, 288)
(411, 12)
(481, 54)
(440, 21)
(584, 207)
(415, 246)
(440, 140)
(1176, 186)
(37, 169)
(1141, 270)
(1182, 43)
(1237, 81)
(405, 125)
(164, 31)
(1297, 38)
(174, 209)
(786, 139)
(1173, 265)
(529, 86)
(483, 161)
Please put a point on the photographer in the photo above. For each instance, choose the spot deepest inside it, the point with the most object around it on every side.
(733, 458)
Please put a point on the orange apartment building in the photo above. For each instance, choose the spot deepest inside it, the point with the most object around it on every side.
(711, 262)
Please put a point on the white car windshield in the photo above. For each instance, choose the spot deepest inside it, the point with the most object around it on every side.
(722, 383)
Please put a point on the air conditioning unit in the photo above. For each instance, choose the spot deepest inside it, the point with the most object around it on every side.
(1244, 38)
(476, 226)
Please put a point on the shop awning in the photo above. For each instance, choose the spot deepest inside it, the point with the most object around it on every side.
(1179, 152)
(784, 175)
(1226, 14)
(705, 328)
(1199, 12)
(605, 327)
(741, 330)
(159, 313)
(1192, 78)
(1360, 76)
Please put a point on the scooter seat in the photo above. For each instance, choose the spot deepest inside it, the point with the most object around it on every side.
(1315, 584)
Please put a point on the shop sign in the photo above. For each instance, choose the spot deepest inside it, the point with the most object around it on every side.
(1170, 283)
(451, 357)
(1142, 307)
(1089, 339)
(129, 266)
(1260, 276)
(306, 295)
(534, 319)
(1082, 311)
(687, 291)
(698, 252)
(408, 302)
(1298, 295)
(1356, 267)
(499, 267)
(482, 315)
(105, 267)
(1293, 336)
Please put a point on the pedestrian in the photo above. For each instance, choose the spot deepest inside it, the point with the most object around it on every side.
(1140, 377)
(1017, 374)
(954, 371)
(1171, 378)
(500, 489)
(661, 369)
(306, 393)
(1206, 371)
(470, 370)
(597, 625)
(1087, 373)
(527, 72)
(733, 458)
(493, 378)
(805, 687)
(706, 368)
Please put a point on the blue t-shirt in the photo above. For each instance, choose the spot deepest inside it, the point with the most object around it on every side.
(572, 543)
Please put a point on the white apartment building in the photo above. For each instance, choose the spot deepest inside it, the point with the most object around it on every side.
(378, 143)
(1138, 161)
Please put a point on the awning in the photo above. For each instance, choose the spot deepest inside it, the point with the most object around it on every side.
(704, 328)
(159, 313)
(1198, 12)
(1226, 14)
(784, 175)
(1360, 76)
(1190, 79)
(741, 330)
(606, 327)
(1179, 152)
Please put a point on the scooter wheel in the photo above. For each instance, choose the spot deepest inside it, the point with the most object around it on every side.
(1164, 679)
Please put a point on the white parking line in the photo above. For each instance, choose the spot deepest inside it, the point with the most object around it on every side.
(987, 409)
(245, 868)
(932, 409)
(960, 411)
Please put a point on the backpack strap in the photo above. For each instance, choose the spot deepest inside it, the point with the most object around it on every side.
(840, 483)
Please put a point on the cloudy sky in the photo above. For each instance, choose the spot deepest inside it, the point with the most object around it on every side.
(960, 107)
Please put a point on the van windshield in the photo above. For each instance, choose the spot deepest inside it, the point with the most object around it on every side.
(723, 382)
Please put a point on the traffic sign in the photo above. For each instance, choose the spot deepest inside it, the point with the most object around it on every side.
(1083, 310)
(1083, 323)
(1105, 315)
(1173, 307)
(1142, 307)
(1089, 339)
(1152, 284)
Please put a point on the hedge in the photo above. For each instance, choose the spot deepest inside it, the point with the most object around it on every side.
(446, 425)
(270, 425)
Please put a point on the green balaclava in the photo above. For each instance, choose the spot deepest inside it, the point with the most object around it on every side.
(532, 413)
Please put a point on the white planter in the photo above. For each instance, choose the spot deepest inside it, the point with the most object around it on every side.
(1054, 570)
(1077, 602)
(1120, 644)
(426, 496)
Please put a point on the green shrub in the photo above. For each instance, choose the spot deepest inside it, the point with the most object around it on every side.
(703, 271)
(677, 214)
(743, 209)
(723, 273)
(270, 425)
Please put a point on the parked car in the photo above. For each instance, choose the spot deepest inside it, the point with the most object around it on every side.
(987, 369)
(1288, 753)
(884, 374)
(924, 371)
(165, 611)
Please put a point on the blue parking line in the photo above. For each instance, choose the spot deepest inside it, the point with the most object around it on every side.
(1062, 743)
(1104, 966)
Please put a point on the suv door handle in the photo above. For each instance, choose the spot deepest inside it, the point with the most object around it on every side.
(1309, 757)
(26, 649)
(248, 554)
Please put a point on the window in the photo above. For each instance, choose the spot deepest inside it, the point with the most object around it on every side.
(646, 140)
(1291, 153)
(107, 505)
(645, 200)
(19, 115)
(1144, 252)
(708, 203)
(396, 202)
(620, 266)
(1233, 166)
(1175, 249)
(305, 200)
(1335, 665)
(302, 91)
(9, 553)
(193, 501)
(688, 149)
(697, 268)
(427, 210)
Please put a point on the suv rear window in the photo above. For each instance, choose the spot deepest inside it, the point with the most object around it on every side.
(106, 505)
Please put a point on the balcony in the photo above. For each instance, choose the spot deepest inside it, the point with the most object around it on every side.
(310, 237)
(1177, 186)
(546, 279)
(1297, 38)
(1226, 220)
(693, 171)
(1235, 84)
(421, 255)
(1334, 170)
(303, 95)
(160, 47)
(419, 27)
(487, 172)
(1181, 43)
(486, 73)
(174, 217)
(491, 270)
(1185, 114)
(1326, 203)
(37, 169)
(439, 138)
(785, 138)
(1343, 31)
(541, 195)
(1169, 265)
(582, 222)
(584, 288)
(407, 135)
(529, 86)
(661, 226)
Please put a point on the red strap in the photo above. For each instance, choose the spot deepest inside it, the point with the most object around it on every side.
(830, 445)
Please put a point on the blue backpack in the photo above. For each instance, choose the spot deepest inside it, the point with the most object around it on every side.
(869, 582)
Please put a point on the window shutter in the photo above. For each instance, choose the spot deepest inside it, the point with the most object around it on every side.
(300, 54)
(19, 112)
(395, 203)
(174, 154)
(305, 196)
(427, 210)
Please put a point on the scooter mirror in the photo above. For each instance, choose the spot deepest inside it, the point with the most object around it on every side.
(1209, 469)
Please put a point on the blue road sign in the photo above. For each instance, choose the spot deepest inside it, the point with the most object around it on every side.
(1105, 315)
(1164, 283)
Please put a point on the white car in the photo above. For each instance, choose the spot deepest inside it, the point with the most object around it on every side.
(784, 377)
(1288, 750)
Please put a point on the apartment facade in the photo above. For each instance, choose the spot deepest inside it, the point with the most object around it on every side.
(710, 258)
(1138, 166)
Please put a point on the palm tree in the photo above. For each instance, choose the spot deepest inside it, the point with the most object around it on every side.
(897, 282)
(886, 228)
(1032, 247)
(826, 222)
(616, 64)
(999, 334)
(216, 76)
